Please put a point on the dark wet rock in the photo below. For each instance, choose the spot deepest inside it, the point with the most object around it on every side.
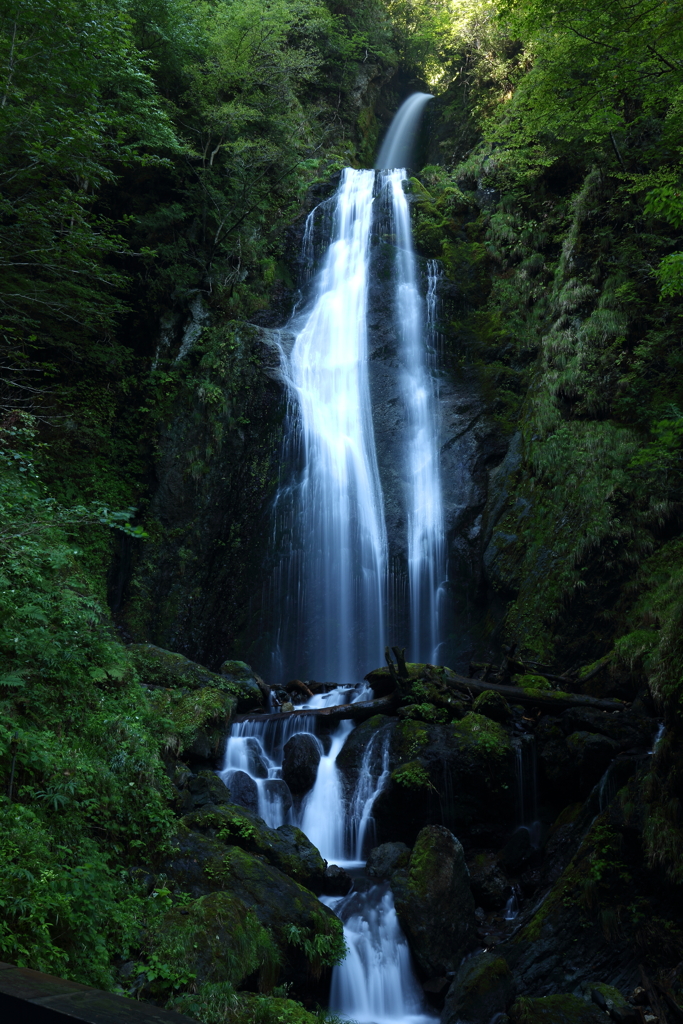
(626, 729)
(276, 789)
(490, 887)
(556, 1009)
(385, 859)
(243, 791)
(336, 881)
(206, 788)
(517, 852)
(483, 987)
(257, 766)
(286, 847)
(493, 705)
(461, 774)
(300, 762)
(434, 902)
(363, 749)
(574, 765)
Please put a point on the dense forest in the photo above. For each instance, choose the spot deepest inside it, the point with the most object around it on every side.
(157, 164)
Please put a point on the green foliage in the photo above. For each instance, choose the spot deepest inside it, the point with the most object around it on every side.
(412, 775)
(477, 732)
(324, 945)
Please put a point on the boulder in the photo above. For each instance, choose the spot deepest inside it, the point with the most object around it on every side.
(482, 988)
(493, 705)
(434, 902)
(336, 881)
(461, 774)
(157, 667)
(300, 762)
(277, 791)
(245, 683)
(193, 938)
(243, 791)
(286, 847)
(556, 1009)
(628, 729)
(207, 788)
(387, 858)
(574, 765)
(200, 864)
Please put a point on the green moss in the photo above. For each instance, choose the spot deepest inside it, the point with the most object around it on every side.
(532, 682)
(412, 775)
(492, 705)
(557, 1009)
(423, 713)
(411, 736)
(212, 939)
(181, 715)
(477, 732)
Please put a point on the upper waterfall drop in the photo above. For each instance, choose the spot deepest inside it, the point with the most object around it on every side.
(396, 149)
(342, 584)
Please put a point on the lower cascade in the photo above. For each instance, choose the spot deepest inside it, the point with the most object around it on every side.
(376, 983)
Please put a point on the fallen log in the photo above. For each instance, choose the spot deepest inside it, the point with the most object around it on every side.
(547, 700)
(359, 712)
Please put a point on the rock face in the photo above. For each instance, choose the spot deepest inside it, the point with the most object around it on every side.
(482, 987)
(434, 902)
(300, 763)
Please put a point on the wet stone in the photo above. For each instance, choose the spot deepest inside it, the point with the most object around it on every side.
(300, 763)
(243, 791)
(386, 859)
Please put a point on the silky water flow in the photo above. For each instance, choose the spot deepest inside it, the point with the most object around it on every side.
(335, 581)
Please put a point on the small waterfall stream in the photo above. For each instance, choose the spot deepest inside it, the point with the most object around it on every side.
(333, 583)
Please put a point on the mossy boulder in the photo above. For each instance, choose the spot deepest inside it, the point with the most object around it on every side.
(364, 748)
(193, 723)
(531, 682)
(556, 1009)
(434, 903)
(286, 847)
(243, 679)
(492, 705)
(461, 774)
(157, 667)
(308, 935)
(483, 987)
(215, 938)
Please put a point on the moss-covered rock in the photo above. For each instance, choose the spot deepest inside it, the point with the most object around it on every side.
(483, 987)
(309, 935)
(434, 902)
(480, 733)
(557, 1009)
(492, 705)
(158, 667)
(215, 938)
(532, 682)
(286, 847)
(192, 723)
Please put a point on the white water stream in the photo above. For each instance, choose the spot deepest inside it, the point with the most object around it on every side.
(334, 587)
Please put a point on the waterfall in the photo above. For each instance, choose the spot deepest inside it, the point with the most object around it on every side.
(342, 544)
(375, 983)
(397, 147)
(426, 543)
(332, 582)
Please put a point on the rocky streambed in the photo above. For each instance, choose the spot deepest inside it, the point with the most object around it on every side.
(509, 835)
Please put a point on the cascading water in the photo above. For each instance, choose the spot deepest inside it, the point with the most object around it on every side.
(333, 580)
(426, 544)
(342, 584)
